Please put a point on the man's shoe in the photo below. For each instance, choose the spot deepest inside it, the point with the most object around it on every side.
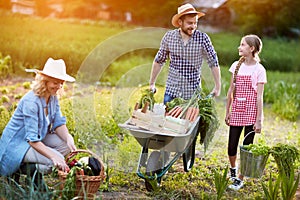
(237, 184)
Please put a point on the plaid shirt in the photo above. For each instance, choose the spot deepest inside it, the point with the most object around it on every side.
(185, 61)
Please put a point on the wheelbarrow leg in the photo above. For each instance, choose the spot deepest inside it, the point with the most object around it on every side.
(154, 167)
(189, 156)
(144, 157)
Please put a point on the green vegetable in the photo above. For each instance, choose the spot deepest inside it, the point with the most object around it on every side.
(209, 122)
(285, 156)
(147, 96)
(70, 184)
(175, 102)
(257, 149)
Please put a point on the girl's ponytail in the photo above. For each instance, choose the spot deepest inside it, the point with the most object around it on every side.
(241, 60)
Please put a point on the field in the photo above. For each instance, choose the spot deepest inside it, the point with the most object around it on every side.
(95, 108)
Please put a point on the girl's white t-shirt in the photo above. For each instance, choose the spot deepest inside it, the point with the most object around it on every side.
(256, 71)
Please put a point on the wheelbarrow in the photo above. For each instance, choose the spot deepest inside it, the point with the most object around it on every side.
(161, 146)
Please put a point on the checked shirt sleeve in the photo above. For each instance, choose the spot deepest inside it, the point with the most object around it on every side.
(163, 51)
(211, 55)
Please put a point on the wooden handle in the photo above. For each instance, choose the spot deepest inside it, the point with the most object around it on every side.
(74, 153)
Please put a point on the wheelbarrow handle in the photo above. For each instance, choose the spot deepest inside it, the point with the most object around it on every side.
(153, 90)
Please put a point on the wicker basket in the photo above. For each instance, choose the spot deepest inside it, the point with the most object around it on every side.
(85, 185)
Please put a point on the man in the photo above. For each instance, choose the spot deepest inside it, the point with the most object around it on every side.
(186, 48)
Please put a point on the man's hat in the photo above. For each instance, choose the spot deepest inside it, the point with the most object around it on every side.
(184, 10)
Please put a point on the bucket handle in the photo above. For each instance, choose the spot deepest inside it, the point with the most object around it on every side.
(248, 135)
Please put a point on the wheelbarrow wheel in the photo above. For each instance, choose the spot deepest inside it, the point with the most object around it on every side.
(189, 156)
(154, 166)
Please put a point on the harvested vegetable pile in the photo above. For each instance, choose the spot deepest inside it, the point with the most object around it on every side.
(257, 149)
(200, 104)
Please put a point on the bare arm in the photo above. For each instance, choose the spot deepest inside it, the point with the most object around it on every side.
(259, 117)
(63, 133)
(156, 68)
(229, 101)
(44, 150)
(217, 79)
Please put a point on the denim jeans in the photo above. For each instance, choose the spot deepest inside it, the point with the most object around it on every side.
(167, 98)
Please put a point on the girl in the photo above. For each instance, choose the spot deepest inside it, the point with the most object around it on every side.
(36, 137)
(244, 108)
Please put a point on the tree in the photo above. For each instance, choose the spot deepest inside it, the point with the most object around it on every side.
(267, 17)
(147, 13)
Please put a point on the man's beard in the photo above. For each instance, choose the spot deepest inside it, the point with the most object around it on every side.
(186, 31)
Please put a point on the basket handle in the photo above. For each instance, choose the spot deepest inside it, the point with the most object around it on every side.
(74, 153)
(248, 135)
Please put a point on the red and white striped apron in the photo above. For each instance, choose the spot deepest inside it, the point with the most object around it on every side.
(244, 105)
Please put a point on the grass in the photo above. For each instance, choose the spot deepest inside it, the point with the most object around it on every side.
(35, 39)
(74, 40)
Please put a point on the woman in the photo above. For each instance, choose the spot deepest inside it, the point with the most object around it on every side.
(244, 108)
(36, 137)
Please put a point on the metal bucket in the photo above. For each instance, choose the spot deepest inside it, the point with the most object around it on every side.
(251, 165)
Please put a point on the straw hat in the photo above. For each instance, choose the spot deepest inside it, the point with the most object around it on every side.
(184, 10)
(55, 69)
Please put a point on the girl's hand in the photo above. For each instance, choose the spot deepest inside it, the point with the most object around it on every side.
(257, 127)
(227, 119)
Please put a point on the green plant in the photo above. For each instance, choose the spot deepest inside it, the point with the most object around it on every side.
(221, 181)
(209, 121)
(5, 99)
(285, 156)
(4, 90)
(271, 190)
(286, 100)
(289, 185)
(108, 172)
(10, 190)
(5, 66)
(18, 96)
(26, 85)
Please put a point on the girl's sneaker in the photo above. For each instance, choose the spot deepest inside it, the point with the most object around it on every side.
(233, 172)
(237, 184)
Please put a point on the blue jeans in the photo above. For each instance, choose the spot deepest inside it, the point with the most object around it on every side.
(167, 98)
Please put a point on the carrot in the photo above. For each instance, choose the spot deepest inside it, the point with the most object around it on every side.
(81, 172)
(173, 110)
(145, 108)
(196, 114)
(188, 113)
(191, 114)
(136, 107)
(177, 113)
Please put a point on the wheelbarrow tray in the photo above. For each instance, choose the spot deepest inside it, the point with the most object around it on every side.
(171, 142)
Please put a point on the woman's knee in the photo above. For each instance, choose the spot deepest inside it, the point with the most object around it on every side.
(55, 142)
